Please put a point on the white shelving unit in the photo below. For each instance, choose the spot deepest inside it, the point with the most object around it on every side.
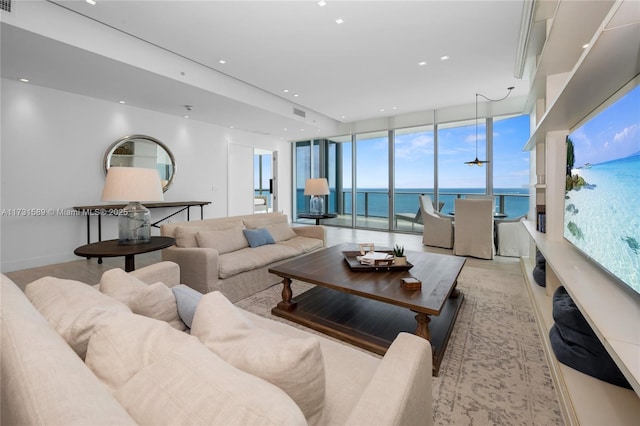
(569, 93)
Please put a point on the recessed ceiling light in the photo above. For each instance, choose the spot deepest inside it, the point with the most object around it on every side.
(339, 21)
(24, 80)
(91, 2)
(381, 109)
(232, 127)
(322, 3)
(122, 102)
(394, 108)
(584, 46)
(286, 90)
(295, 95)
(285, 129)
(185, 116)
(422, 63)
(444, 58)
(222, 61)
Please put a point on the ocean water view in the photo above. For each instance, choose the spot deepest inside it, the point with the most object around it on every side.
(374, 202)
(602, 218)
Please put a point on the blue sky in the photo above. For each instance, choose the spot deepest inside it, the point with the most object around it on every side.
(610, 134)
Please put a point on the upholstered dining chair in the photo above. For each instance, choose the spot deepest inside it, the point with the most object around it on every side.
(512, 238)
(437, 227)
(474, 228)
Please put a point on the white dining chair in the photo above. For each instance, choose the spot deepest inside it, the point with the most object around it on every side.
(474, 228)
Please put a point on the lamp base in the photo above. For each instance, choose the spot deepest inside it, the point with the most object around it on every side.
(134, 225)
(316, 205)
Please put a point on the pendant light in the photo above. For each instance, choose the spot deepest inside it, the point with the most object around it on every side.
(477, 162)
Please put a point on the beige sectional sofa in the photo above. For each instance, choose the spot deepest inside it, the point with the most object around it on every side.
(214, 254)
(74, 354)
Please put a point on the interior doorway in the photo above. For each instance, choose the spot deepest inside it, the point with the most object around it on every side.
(265, 186)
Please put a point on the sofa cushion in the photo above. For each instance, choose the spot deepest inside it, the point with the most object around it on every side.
(43, 379)
(224, 241)
(293, 364)
(230, 264)
(185, 235)
(258, 237)
(302, 244)
(264, 220)
(154, 301)
(163, 376)
(72, 308)
(187, 300)
(281, 231)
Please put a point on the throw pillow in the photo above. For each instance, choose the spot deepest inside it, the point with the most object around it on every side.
(295, 365)
(72, 308)
(258, 237)
(224, 241)
(154, 301)
(281, 231)
(262, 220)
(163, 376)
(187, 300)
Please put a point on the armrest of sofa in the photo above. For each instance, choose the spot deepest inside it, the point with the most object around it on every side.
(198, 266)
(167, 272)
(400, 391)
(312, 231)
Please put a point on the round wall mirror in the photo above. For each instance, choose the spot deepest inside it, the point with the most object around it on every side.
(142, 151)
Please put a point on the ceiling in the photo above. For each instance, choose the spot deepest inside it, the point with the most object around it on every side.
(295, 52)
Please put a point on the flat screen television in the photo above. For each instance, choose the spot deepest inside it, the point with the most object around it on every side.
(602, 193)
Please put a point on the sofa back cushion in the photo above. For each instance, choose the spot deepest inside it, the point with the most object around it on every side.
(72, 308)
(264, 220)
(224, 240)
(281, 231)
(43, 380)
(295, 365)
(185, 233)
(154, 301)
(163, 376)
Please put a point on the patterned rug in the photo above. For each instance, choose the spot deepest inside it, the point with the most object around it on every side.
(494, 370)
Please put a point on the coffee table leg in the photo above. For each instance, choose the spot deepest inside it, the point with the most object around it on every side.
(422, 329)
(286, 304)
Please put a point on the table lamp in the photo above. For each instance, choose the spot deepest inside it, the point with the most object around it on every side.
(133, 185)
(317, 188)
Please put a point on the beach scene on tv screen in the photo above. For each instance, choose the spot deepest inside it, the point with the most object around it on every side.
(602, 193)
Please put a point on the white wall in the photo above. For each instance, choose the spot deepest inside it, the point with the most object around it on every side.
(53, 145)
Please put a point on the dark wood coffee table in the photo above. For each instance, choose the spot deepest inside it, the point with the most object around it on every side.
(346, 304)
(111, 248)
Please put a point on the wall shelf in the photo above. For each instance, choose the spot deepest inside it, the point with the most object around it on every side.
(584, 399)
(568, 94)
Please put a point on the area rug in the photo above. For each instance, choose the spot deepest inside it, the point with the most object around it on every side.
(494, 370)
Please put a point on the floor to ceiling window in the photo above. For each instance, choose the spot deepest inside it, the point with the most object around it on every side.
(366, 169)
(372, 180)
(511, 164)
(413, 174)
(457, 145)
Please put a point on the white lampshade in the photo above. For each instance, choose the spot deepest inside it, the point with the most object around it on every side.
(132, 184)
(318, 186)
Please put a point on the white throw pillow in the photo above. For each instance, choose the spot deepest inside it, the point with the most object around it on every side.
(154, 301)
(72, 308)
(165, 377)
(293, 364)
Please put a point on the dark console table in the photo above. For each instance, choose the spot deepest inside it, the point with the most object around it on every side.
(112, 209)
(111, 248)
